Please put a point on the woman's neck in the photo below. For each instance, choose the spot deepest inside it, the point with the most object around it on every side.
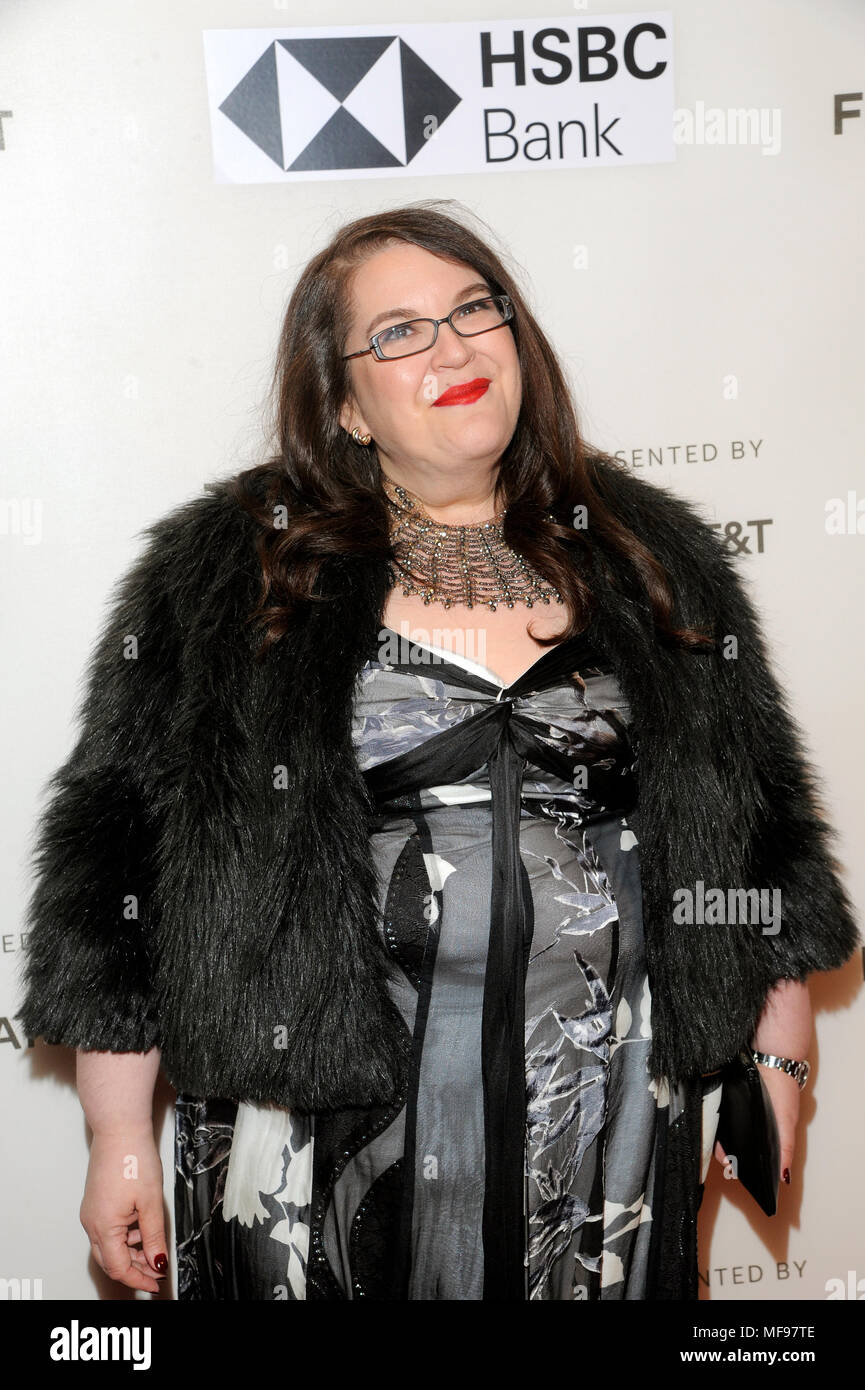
(470, 507)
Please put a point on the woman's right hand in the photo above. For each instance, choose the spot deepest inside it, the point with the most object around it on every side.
(122, 1209)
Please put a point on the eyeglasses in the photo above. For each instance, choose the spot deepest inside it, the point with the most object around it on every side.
(417, 335)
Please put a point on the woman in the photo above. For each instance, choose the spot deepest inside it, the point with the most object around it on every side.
(390, 892)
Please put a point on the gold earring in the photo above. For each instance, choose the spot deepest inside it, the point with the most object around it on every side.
(360, 438)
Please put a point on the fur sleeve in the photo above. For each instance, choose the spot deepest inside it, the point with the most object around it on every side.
(792, 842)
(93, 905)
(774, 817)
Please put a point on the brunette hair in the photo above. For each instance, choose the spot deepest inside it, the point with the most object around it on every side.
(328, 487)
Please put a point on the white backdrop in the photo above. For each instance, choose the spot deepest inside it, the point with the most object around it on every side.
(713, 301)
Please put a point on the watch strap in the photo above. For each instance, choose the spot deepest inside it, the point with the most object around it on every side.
(799, 1070)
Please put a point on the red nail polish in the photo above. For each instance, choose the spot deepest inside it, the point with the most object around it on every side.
(786, 1176)
(161, 1263)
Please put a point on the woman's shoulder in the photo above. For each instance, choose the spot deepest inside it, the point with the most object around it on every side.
(649, 508)
(204, 520)
(680, 535)
(200, 547)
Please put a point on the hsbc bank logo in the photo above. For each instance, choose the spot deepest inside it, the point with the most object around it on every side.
(340, 103)
(449, 98)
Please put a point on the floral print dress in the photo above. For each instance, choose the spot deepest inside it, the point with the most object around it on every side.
(532, 1154)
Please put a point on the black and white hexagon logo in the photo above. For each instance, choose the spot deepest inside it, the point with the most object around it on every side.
(340, 103)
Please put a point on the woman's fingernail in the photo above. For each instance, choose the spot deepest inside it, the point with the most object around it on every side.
(161, 1263)
(786, 1176)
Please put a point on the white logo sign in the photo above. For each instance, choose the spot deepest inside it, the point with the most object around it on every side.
(391, 100)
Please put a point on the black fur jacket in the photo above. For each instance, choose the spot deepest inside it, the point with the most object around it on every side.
(181, 900)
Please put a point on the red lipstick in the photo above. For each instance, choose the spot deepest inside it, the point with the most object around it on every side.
(464, 393)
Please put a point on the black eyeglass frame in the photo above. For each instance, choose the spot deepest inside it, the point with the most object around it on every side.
(375, 349)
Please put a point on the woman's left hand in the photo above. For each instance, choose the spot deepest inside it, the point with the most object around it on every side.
(785, 1096)
(785, 1028)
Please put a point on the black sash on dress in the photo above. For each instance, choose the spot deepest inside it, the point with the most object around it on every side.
(505, 740)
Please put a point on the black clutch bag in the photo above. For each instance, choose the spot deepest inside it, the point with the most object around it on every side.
(748, 1131)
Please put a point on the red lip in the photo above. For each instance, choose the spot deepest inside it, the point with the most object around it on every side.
(464, 393)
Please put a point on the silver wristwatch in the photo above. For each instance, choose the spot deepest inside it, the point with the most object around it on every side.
(798, 1070)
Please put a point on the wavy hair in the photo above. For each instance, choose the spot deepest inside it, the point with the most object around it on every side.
(330, 487)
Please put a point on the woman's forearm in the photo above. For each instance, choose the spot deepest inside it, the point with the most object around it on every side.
(116, 1089)
(785, 1027)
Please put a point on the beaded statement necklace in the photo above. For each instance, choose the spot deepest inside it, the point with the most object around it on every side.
(458, 564)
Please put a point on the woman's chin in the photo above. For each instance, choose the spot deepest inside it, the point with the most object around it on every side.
(475, 438)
